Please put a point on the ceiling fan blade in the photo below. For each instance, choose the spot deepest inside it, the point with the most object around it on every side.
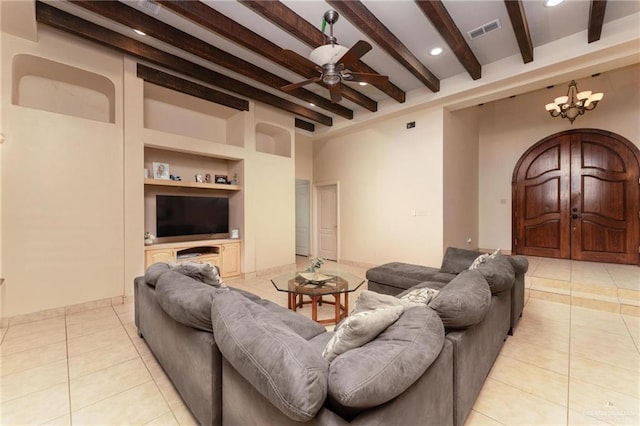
(293, 86)
(336, 96)
(366, 77)
(356, 52)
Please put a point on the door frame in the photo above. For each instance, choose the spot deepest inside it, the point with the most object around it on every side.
(632, 147)
(315, 249)
(307, 184)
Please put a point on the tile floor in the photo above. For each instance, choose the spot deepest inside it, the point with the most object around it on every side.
(566, 363)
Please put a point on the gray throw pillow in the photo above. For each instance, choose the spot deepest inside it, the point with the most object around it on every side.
(499, 273)
(277, 362)
(360, 328)
(303, 326)
(464, 301)
(419, 296)
(387, 366)
(200, 271)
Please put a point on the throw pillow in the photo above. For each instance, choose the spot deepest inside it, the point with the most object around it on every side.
(496, 253)
(420, 296)
(499, 274)
(360, 328)
(370, 300)
(154, 271)
(203, 272)
(456, 260)
(464, 301)
(479, 261)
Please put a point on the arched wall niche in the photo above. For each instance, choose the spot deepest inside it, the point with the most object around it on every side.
(272, 139)
(47, 85)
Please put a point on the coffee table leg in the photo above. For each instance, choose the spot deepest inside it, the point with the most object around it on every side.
(337, 306)
(346, 304)
(314, 308)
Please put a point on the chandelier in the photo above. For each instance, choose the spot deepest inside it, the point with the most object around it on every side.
(574, 104)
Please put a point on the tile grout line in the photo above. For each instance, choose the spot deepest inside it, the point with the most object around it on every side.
(153, 379)
(66, 345)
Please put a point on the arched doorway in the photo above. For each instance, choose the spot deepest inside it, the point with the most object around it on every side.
(576, 195)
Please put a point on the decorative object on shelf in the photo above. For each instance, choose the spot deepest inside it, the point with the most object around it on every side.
(221, 179)
(148, 238)
(160, 171)
(146, 173)
(574, 104)
(235, 233)
(199, 178)
(175, 178)
(207, 178)
(234, 181)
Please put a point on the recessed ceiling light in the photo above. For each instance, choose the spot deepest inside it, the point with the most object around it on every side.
(363, 83)
(435, 51)
(312, 104)
(139, 32)
(552, 3)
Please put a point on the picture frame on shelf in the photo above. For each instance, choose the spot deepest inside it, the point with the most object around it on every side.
(161, 171)
(221, 179)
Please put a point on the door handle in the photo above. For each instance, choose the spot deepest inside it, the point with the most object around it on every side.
(575, 216)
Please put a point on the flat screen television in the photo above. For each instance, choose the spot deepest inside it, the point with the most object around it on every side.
(178, 215)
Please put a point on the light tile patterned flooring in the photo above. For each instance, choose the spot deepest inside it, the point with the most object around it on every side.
(566, 363)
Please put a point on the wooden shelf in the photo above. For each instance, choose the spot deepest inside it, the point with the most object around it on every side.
(182, 184)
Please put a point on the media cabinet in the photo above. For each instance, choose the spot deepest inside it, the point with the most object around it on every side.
(225, 254)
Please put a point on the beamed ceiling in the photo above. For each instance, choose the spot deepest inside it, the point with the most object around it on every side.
(231, 52)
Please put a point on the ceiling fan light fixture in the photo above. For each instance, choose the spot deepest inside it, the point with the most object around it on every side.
(327, 54)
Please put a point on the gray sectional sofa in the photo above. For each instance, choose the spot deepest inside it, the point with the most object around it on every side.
(237, 359)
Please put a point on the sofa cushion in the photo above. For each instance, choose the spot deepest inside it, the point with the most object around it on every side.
(499, 273)
(186, 300)
(419, 296)
(303, 326)
(388, 365)
(358, 329)
(456, 260)
(154, 271)
(464, 301)
(401, 275)
(520, 263)
(276, 361)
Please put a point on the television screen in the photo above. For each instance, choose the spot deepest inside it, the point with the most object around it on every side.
(178, 215)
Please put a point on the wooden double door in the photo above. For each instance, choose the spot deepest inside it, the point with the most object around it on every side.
(576, 195)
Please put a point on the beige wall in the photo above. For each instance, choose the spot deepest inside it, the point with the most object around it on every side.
(62, 189)
(304, 157)
(461, 178)
(509, 127)
(385, 173)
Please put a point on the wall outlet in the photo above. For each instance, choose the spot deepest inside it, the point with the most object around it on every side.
(469, 240)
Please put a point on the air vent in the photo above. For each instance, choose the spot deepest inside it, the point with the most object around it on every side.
(486, 28)
(149, 6)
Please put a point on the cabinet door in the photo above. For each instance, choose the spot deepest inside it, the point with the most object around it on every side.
(160, 255)
(230, 260)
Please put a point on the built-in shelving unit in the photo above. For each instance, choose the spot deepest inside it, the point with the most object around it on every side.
(198, 185)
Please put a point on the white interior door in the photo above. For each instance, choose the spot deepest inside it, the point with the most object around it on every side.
(328, 222)
(303, 224)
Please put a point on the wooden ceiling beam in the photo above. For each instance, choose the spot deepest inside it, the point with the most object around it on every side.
(215, 21)
(280, 15)
(130, 17)
(596, 19)
(305, 125)
(181, 85)
(358, 14)
(520, 28)
(435, 11)
(61, 20)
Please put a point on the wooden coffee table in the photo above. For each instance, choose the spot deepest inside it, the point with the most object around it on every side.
(338, 286)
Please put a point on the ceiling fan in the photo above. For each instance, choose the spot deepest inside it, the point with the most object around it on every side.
(333, 61)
